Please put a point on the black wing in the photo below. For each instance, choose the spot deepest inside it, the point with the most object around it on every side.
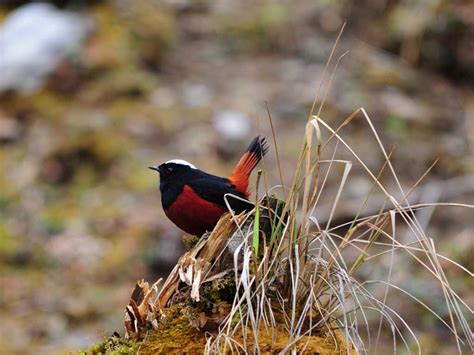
(213, 189)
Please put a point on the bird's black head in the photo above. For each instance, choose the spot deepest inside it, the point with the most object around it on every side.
(172, 169)
(173, 177)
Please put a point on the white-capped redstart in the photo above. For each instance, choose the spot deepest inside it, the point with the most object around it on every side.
(194, 200)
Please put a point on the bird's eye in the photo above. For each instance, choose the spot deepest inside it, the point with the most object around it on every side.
(170, 170)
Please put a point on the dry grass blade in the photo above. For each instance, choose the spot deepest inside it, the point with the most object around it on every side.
(299, 281)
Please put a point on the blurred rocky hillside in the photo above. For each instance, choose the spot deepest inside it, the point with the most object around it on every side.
(93, 92)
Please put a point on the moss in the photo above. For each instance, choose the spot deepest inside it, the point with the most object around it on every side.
(175, 333)
(79, 155)
(112, 346)
(190, 241)
(186, 327)
(50, 105)
(276, 340)
(9, 245)
(263, 29)
(212, 293)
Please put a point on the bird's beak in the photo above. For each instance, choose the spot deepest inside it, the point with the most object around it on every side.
(156, 168)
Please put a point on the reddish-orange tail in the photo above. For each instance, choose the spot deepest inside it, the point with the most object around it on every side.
(254, 153)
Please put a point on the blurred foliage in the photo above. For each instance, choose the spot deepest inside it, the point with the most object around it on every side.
(112, 345)
(81, 217)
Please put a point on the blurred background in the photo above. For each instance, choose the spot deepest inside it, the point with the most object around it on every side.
(93, 92)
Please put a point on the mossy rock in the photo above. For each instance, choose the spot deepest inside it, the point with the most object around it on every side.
(183, 320)
(112, 346)
(177, 334)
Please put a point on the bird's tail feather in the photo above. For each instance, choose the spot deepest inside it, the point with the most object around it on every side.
(252, 156)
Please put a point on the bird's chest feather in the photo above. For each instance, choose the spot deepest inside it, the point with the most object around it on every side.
(192, 213)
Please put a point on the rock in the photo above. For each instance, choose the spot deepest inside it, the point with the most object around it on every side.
(10, 129)
(404, 106)
(232, 125)
(196, 95)
(233, 129)
(34, 40)
(77, 249)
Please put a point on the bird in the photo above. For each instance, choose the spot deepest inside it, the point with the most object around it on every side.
(194, 200)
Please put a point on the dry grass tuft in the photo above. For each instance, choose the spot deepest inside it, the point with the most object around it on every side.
(289, 274)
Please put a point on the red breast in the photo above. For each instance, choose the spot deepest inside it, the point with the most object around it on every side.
(192, 213)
